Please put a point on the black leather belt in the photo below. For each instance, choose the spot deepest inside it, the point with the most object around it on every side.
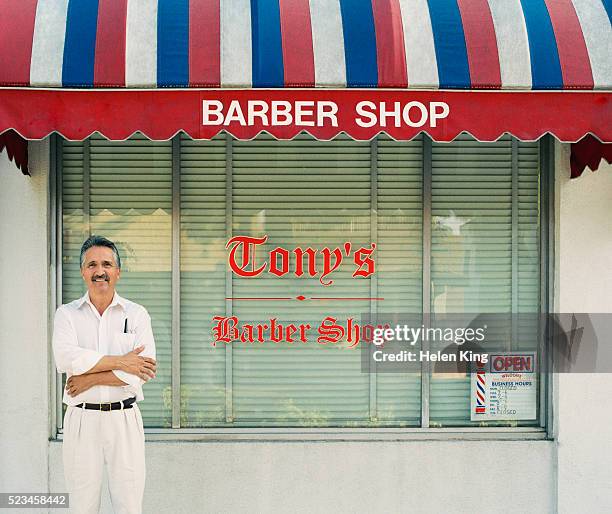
(127, 404)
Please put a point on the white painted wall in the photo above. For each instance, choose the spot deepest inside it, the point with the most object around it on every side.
(418, 476)
(584, 417)
(24, 404)
(344, 477)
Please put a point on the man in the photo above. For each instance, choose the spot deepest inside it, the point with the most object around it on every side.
(104, 343)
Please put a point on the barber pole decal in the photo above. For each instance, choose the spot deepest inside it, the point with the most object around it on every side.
(481, 382)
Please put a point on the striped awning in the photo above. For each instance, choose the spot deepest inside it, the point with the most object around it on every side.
(486, 67)
(431, 44)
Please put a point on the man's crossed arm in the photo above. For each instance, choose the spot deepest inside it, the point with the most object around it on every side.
(102, 373)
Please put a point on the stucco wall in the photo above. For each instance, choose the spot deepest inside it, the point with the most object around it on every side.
(24, 404)
(345, 477)
(584, 419)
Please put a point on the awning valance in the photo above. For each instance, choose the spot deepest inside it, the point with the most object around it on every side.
(284, 113)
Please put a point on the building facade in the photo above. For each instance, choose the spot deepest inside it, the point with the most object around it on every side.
(276, 181)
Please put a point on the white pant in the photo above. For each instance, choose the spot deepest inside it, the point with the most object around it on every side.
(94, 438)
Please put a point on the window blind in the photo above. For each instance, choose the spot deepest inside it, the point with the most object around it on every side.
(296, 194)
(203, 280)
(73, 220)
(123, 191)
(400, 265)
(483, 254)
(485, 257)
(301, 193)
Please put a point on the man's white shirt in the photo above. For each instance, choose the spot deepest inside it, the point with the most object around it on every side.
(81, 337)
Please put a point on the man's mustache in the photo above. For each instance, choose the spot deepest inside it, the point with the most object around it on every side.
(97, 278)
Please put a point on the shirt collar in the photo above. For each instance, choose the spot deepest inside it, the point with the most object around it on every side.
(117, 300)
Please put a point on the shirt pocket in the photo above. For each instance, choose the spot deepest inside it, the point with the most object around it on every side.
(123, 343)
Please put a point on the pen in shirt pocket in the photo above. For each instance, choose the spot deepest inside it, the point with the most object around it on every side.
(125, 327)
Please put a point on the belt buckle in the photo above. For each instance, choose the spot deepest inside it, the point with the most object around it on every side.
(105, 406)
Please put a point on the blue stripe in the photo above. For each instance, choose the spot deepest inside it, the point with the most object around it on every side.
(545, 65)
(80, 43)
(359, 43)
(449, 41)
(608, 7)
(173, 43)
(268, 70)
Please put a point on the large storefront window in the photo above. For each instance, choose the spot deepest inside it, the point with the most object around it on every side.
(456, 228)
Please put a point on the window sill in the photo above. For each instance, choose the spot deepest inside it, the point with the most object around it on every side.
(344, 434)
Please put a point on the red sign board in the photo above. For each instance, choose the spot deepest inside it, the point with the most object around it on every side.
(361, 113)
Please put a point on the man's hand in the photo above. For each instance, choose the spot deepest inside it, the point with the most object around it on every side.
(78, 384)
(143, 367)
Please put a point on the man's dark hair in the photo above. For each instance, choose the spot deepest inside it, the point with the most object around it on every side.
(99, 241)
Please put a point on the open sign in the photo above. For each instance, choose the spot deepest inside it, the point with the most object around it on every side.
(516, 363)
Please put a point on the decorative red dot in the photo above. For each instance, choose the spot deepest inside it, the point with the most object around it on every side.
(300, 298)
